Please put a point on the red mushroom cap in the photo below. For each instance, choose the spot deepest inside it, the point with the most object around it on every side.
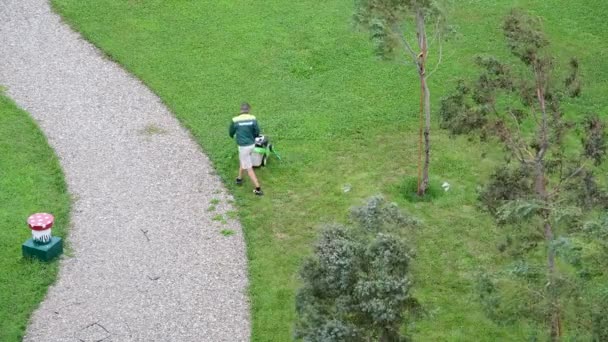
(40, 221)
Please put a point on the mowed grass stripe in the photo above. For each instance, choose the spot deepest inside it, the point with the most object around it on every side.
(30, 181)
(339, 116)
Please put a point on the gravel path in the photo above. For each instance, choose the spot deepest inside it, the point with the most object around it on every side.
(148, 262)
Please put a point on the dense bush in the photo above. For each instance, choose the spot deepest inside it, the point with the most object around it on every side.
(357, 285)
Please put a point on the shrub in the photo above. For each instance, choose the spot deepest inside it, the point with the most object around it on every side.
(357, 285)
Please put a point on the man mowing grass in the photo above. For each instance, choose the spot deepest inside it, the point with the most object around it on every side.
(246, 128)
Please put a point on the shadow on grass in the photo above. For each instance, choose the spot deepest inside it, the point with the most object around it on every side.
(408, 189)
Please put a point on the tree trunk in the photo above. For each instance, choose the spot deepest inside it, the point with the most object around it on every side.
(389, 335)
(427, 134)
(384, 337)
(424, 88)
(554, 312)
(555, 332)
(541, 190)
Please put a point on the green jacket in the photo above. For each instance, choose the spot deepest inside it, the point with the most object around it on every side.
(246, 128)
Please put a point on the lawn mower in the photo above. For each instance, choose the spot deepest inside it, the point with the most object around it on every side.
(262, 150)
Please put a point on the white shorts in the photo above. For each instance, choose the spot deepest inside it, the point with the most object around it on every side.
(245, 156)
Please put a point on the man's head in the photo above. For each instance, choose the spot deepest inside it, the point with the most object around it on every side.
(245, 107)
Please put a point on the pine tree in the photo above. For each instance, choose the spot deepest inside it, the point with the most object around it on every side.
(546, 184)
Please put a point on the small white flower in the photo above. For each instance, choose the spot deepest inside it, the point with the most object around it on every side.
(445, 186)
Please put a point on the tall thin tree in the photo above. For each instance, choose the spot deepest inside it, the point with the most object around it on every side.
(387, 20)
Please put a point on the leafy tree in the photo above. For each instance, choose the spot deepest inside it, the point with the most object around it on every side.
(385, 20)
(357, 285)
(546, 185)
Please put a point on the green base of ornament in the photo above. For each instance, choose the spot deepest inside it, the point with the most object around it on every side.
(45, 252)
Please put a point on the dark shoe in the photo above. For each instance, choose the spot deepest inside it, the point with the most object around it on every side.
(258, 192)
(239, 181)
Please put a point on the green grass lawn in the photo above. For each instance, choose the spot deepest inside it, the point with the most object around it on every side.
(340, 118)
(31, 181)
